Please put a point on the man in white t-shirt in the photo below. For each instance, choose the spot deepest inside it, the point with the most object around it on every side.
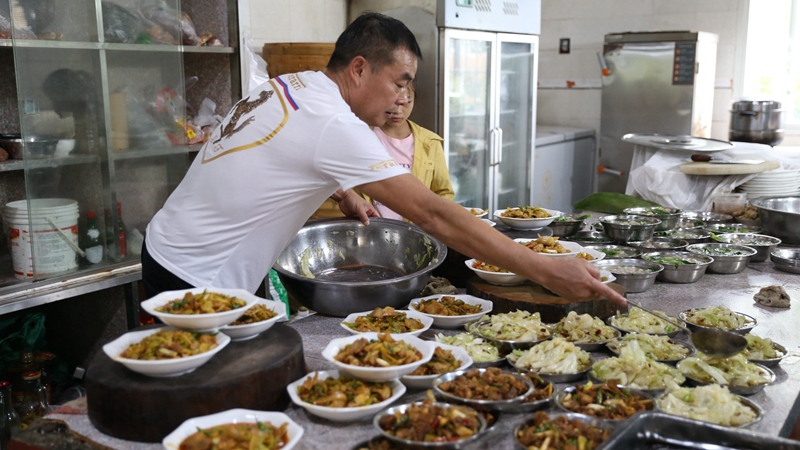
(299, 139)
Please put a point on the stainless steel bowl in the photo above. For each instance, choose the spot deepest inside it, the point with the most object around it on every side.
(615, 251)
(539, 384)
(561, 377)
(566, 228)
(763, 244)
(356, 267)
(626, 228)
(744, 329)
(450, 445)
(569, 390)
(780, 217)
(505, 345)
(651, 392)
(744, 400)
(672, 362)
(612, 322)
(724, 263)
(690, 235)
(786, 259)
(633, 282)
(765, 372)
(707, 217)
(589, 238)
(680, 273)
(600, 345)
(478, 404)
(772, 362)
(591, 421)
(659, 244)
(668, 216)
(720, 228)
(685, 222)
(32, 147)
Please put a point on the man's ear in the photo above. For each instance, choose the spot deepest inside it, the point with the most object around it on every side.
(357, 68)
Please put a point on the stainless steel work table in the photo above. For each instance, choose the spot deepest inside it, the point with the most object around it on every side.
(733, 291)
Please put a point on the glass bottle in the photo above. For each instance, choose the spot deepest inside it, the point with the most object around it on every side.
(46, 362)
(92, 243)
(33, 401)
(123, 252)
(25, 363)
(9, 419)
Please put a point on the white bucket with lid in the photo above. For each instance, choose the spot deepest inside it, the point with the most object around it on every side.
(53, 222)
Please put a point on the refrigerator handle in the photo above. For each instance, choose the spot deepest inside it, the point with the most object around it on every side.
(499, 145)
(493, 147)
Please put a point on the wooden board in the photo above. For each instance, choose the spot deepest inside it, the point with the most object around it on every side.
(251, 374)
(704, 168)
(535, 298)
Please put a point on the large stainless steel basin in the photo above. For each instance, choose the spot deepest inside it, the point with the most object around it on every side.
(780, 217)
(339, 266)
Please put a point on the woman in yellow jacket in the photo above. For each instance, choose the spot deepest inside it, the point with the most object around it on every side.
(415, 148)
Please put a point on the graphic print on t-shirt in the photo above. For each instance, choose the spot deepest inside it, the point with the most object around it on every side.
(271, 119)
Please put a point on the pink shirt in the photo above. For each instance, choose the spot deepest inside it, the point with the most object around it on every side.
(402, 151)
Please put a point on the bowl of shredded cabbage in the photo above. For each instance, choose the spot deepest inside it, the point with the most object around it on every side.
(658, 347)
(741, 377)
(482, 352)
(711, 403)
(763, 351)
(640, 321)
(632, 369)
(509, 331)
(587, 332)
(555, 360)
(718, 317)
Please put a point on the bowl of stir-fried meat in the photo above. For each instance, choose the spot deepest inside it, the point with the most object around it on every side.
(494, 274)
(445, 359)
(387, 320)
(256, 320)
(451, 311)
(605, 401)
(477, 212)
(431, 425)
(484, 389)
(551, 246)
(165, 351)
(236, 429)
(341, 398)
(543, 392)
(562, 431)
(200, 309)
(526, 217)
(378, 356)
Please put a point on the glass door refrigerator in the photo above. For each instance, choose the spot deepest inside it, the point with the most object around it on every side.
(476, 87)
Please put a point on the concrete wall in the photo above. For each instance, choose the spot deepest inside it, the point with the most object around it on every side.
(292, 20)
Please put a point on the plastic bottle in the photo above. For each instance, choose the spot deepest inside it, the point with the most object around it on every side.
(123, 252)
(9, 419)
(92, 242)
(33, 402)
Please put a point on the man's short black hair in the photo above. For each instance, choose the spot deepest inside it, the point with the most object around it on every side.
(375, 37)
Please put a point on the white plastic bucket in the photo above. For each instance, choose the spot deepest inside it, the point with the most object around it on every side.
(52, 222)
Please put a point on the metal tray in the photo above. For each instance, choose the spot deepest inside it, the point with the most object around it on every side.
(656, 430)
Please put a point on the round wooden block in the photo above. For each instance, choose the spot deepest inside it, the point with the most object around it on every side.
(251, 374)
(535, 298)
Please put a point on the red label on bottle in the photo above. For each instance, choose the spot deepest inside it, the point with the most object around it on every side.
(123, 251)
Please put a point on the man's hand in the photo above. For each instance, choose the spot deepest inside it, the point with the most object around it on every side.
(353, 205)
(576, 278)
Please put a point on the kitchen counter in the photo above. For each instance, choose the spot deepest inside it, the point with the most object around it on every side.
(734, 291)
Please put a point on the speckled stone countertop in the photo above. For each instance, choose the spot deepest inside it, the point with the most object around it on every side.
(734, 291)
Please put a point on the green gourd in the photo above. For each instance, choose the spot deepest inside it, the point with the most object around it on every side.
(610, 202)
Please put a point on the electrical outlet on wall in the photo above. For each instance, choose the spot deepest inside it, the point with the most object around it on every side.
(563, 45)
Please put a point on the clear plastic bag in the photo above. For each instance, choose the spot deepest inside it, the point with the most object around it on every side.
(178, 24)
(255, 65)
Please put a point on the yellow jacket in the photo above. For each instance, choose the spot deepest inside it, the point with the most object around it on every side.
(429, 165)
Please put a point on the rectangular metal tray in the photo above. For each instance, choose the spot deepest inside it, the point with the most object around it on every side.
(655, 430)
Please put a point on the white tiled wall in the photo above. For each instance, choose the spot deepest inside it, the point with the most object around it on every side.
(293, 20)
(586, 22)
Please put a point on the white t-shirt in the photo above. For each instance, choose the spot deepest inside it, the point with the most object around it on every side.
(402, 151)
(279, 153)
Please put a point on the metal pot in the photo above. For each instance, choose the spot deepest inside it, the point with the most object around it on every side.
(756, 121)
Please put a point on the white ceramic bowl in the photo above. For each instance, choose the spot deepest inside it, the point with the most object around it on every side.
(527, 224)
(190, 426)
(608, 275)
(483, 214)
(163, 367)
(198, 322)
(489, 222)
(378, 373)
(573, 247)
(454, 321)
(342, 414)
(251, 330)
(597, 255)
(426, 320)
(426, 381)
(499, 278)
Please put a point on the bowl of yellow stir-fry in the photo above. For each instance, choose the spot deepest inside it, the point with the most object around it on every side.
(256, 320)
(236, 428)
(201, 308)
(378, 356)
(165, 351)
(526, 217)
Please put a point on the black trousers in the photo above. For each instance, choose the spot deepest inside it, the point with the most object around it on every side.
(157, 279)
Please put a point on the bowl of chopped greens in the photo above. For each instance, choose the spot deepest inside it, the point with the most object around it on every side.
(568, 224)
(680, 267)
(626, 228)
(728, 258)
(720, 228)
(615, 251)
(668, 216)
(637, 275)
(762, 243)
(690, 235)
(659, 244)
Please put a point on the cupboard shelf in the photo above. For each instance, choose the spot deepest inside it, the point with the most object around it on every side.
(115, 47)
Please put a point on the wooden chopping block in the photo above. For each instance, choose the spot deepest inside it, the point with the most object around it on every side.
(535, 298)
(250, 374)
(704, 168)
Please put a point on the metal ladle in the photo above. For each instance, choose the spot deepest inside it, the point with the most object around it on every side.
(711, 341)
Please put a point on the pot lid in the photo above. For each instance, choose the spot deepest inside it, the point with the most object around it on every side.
(756, 105)
(677, 142)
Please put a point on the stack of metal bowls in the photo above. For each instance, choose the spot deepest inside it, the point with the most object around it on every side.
(589, 238)
(707, 217)
(780, 217)
(566, 225)
(668, 216)
(786, 259)
(659, 244)
(626, 228)
(724, 263)
(339, 266)
(633, 282)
